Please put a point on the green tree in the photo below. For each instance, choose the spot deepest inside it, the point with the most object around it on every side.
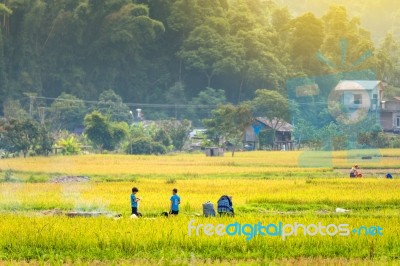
(4, 10)
(3, 83)
(45, 141)
(67, 112)
(304, 132)
(176, 94)
(14, 110)
(110, 104)
(163, 137)
(140, 146)
(82, 48)
(150, 139)
(117, 38)
(346, 44)
(307, 38)
(210, 52)
(228, 122)
(185, 16)
(103, 133)
(146, 49)
(28, 48)
(199, 104)
(19, 135)
(261, 64)
(178, 131)
(280, 19)
(209, 96)
(146, 146)
(69, 145)
(271, 105)
(138, 131)
(389, 61)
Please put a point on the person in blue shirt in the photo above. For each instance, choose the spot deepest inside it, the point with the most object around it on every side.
(134, 201)
(175, 201)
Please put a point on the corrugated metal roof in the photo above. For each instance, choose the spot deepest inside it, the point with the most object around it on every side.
(352, 85)
(278, 124)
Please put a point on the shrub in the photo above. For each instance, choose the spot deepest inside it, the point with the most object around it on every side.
(170, 181)
(140, 146)
(395, 141)
(70, 145)
(158, 148)
(145, 145)
(8, 175)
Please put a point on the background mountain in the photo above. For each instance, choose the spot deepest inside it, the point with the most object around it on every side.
(181, 58)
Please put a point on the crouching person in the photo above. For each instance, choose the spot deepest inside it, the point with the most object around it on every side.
(355, 172)
(225, 206)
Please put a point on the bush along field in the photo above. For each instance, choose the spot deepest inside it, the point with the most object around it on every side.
(312, 215)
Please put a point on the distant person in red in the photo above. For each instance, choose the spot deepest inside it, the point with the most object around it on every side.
(355, 172)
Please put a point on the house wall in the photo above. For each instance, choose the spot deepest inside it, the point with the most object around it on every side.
(391, 106)
(387, 120)
(396, 120)
(380, 91)
(349, 98)
(390, 115)
(249, 135)
(375, 98)
(283, 136)
(390, 120)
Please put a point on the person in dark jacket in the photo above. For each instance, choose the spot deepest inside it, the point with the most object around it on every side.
(225, 206)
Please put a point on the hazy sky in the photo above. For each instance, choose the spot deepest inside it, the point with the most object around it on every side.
(377, 16)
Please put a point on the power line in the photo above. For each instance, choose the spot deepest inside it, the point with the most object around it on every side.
(158, 105)
(151, 105)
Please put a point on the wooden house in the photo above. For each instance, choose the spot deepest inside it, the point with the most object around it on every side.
(283, 133)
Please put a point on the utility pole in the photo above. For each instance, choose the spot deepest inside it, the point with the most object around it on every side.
(176, 113)
(32, 97)
(42, 114)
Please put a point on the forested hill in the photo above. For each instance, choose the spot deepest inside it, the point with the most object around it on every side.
(177, 51)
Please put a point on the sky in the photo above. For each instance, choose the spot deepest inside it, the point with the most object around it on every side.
(377, 16)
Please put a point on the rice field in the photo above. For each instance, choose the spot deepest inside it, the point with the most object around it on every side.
(269, 188)
(243, 164)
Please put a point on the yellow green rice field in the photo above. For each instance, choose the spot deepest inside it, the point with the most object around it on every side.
(339, 220)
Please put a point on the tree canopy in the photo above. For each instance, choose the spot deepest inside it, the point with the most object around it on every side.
(154, 54)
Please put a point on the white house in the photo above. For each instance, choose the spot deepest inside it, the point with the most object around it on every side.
(360, 96)
(357, 94)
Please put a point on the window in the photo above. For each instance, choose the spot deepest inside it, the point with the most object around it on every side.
(398, 121)
(357, 99)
